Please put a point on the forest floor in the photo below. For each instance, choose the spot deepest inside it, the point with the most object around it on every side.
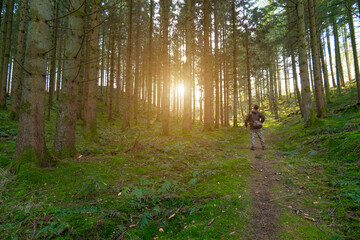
(264, 218)
(137, 184)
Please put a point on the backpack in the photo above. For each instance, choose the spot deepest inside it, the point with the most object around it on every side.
(256, 124)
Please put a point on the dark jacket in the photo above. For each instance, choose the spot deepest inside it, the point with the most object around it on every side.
(252, 116)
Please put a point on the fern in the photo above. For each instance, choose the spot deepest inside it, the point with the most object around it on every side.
(137, 192)
(146, 218)
(164, 187)
(192, 181)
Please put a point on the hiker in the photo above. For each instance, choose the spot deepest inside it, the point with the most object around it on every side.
(255, 118)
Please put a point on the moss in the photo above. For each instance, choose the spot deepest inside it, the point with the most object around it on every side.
(14, 116)
(66, 152)
(25, 107)
(32, 155)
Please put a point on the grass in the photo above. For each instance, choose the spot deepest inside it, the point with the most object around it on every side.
(136, 184)
(132, 183)
(321, 170)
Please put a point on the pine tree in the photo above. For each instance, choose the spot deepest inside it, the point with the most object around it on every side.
(64, 140)
(30, 143)
(19, 61)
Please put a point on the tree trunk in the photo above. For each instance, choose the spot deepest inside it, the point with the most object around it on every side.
(187, 70)
(126, 112)
(102, 81)
(339, 71)
(248, 66)
(137, 62)
(150, 67)
(217, 90)
(30, 143)
(296, 87)
(310, 63)
(112, 73)
(90, 113)
(347, 59)
(325, 70)
(64, 140)
(275, 92)
(304, 73)
(118, 72)
(353, 43)
(19, 62)
(207, 67)
(278, 78)
(166, 68)
(319, 89)
(60, 67)
(53, 58)
(234, 64)
(330, 56)
(6, 51)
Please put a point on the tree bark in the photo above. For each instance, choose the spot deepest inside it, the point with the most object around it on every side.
(30, 143)
(275, 75)
(207, 67)
(347, 59)
(296, 87)
(126, 112)
(339, 71)
(112, 73)
(90, 117)
(187, 69)
(248, 66)
(137, 62)
(6, 52)
(53, 58)
(217, 66)
(118, 69)
(330, 56)
(64, 140)
(150, 67)
(19, 62)
(234, 65)
(304, 73)
(166, 68)
(319, 89)
(354, 49)
(324, 70)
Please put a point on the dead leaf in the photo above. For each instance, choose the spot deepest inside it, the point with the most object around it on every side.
(119, 194)
(133, 225)
(310, 218)
(211, 221)
(315, 203)
(161, 230)
(156, 238)
(232, 233)
(172, 215)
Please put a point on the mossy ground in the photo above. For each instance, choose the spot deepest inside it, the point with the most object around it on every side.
(129, 183)
(137, 184)
(320, 175)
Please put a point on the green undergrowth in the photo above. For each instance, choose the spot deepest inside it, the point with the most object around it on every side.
(320, 168)
(132, 183)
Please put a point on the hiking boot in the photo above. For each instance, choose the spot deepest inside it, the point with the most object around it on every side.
(253, 148)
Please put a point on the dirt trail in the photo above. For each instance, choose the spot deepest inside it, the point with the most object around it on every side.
(264, 222)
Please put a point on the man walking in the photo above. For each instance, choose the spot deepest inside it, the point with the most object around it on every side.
(253, 116)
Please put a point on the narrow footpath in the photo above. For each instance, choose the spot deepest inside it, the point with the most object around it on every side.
(264, 220)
